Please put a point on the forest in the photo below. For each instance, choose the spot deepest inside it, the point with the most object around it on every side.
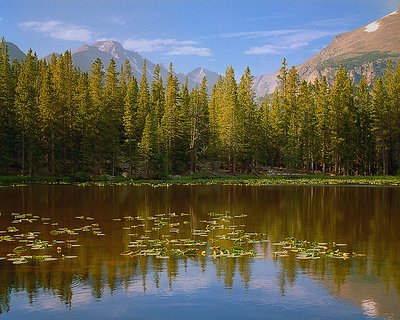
(58, 120)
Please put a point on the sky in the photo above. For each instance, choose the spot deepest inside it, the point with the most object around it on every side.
(191, 33)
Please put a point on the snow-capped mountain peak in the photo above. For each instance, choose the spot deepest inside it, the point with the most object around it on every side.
(111, 46)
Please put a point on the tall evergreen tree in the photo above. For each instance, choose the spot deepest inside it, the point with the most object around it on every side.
(49, 120)
(364, 141)
(198, 124)
(131, 133)
(8, 131)
(248, 121)
(228, 124)
(143, 100)
(324, 128)
(27, 113)
(148, 149)
(381, 124)
(96, 91)
(85, 123)
(341, 100)
(171, 123)
(214, 108)
(111, 128)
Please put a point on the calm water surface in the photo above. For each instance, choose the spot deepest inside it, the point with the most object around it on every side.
(89, 278)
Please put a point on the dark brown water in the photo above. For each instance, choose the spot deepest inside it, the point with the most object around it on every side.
(90, 278)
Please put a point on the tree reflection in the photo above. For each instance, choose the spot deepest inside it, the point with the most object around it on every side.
(365, 218)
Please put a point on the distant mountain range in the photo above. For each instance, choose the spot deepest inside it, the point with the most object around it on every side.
(363, 52)
(85, 55)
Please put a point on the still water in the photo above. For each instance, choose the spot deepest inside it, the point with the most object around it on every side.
(198, 252)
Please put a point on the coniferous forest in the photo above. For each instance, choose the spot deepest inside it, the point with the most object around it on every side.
(57, 120)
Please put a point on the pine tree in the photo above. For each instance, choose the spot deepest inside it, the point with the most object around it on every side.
(7, 112)
(125, 78)
(85, 123)
(380, 116)
(143, 100)
(171, 123)
(265, 149)
(391, 83)
(49, 121)
(65, 81)
(342, 108)
(198, 124)
(214, 108)
(228, 120)
(27, 113)
(277, 132)
(324, 128)
(157, 95)
(112, 117)
(96, 89)
(291, 118)
(248, 122)
(364, 140)
(130, 120)
(148, 149)
(308, 124)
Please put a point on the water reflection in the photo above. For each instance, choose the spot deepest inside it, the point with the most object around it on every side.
(363, 217)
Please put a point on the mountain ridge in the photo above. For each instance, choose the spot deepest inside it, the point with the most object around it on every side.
(84, 56)
(364, 51)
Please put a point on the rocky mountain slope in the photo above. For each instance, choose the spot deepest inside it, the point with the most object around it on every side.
(14, 52)
(363, 52)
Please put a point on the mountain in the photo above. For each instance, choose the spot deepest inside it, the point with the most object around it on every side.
(265, 84)
(363, 52)
(84, 56)
(197, 75)
(14, 52)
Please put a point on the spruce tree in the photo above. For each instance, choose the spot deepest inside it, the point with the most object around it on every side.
(147, 148)
(8, 131)
(49, 111)
(112, 117)
(129, 120)
(27, 113)
(248, 122)
(143, 100)
(228, 124)
(171, 123)
(96, 89)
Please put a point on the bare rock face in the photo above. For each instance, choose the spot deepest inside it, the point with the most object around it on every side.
(365, 51)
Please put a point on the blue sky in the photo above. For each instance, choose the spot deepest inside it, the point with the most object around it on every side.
(191, 33)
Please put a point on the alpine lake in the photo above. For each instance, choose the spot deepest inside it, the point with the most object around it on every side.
(199, 252)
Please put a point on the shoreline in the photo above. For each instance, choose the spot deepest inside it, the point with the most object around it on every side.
(249, 180)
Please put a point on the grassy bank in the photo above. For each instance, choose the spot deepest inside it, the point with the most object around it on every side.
(208, 180)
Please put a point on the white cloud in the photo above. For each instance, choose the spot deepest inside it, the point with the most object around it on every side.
(117, 21)
(277, 41)
(275, 49)
(257, 34)
(266, 49)
(59, 30)
(152, 45)
(189, 50)
(172, 47)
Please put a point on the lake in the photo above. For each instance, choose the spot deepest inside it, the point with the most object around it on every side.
(199, 252)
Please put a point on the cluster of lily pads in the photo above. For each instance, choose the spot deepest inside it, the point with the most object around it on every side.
(29, 242)
(162, 235)
(220, 236)
(306, 250)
